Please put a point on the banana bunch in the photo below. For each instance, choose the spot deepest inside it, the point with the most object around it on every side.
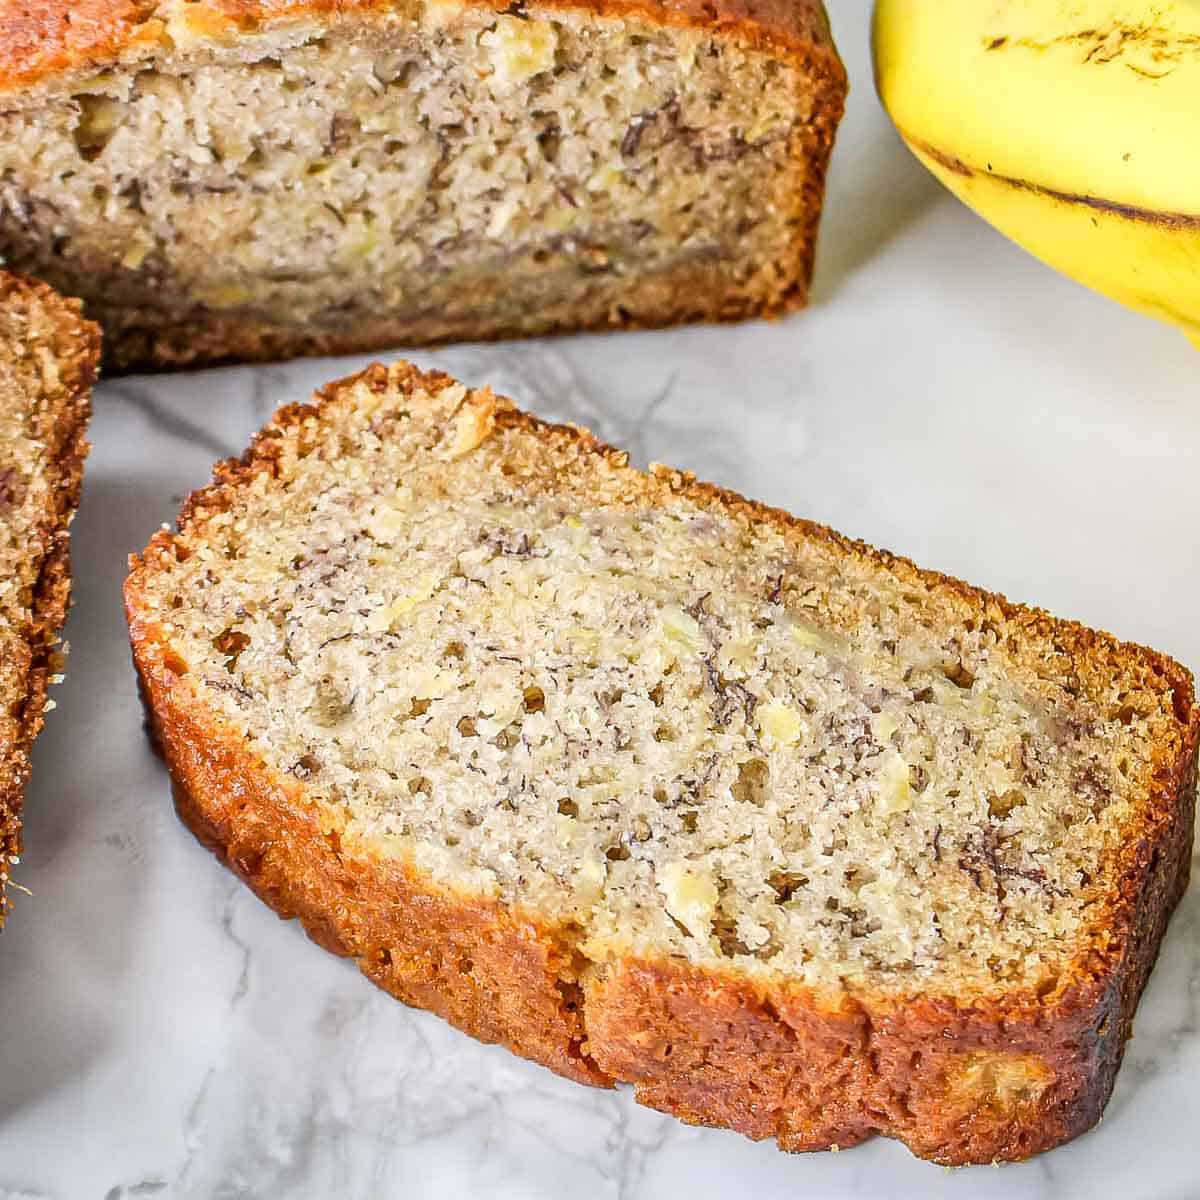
(1073, 126)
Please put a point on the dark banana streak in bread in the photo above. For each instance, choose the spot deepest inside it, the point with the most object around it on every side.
(253, 179)
(654, 784)
(48, 360)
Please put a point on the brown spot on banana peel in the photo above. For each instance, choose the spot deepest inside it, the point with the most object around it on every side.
(1116, 43)
(1131, 212)
(940, 156)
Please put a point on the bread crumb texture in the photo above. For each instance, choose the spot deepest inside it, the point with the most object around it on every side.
(684, 725)
(47, 362)
(448, 167)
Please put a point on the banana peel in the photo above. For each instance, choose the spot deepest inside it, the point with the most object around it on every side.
(1073, 128)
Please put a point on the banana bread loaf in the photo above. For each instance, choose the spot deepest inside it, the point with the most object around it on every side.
(48, 358)
(654, 784)
(252, 179)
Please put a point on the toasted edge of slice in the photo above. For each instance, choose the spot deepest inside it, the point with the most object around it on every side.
(62, 419)
(958, 1078)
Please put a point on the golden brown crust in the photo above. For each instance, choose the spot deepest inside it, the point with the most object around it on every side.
(959, 1079)
(64, 434)
(43, 39)
(775, 1062)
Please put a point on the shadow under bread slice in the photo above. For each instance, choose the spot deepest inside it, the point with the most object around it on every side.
(48, 362)
(306, 178)
(654, 784)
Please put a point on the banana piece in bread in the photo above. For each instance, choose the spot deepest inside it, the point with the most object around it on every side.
(48, 360)
(654, 784)
(252, 179)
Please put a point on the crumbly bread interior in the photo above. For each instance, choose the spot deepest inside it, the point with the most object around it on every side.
(47, 358)
(451, 168)
(28, 370)
(30, 379)
(679, 723)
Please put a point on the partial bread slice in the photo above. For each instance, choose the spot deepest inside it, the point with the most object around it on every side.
(260, 178)
(653, 784)
(48, 361)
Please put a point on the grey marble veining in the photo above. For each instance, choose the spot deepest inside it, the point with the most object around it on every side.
(163, 1035)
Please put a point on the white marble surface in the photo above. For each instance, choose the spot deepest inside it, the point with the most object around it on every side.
(162, 1034)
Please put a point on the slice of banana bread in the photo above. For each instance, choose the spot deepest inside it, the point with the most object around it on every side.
(651, 783)
(48, 359)
(263, 178)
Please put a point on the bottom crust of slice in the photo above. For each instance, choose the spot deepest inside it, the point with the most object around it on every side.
(958, 1082)
(187, 335)
(498, 976)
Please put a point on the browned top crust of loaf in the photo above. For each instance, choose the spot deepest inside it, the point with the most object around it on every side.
(43, 39)
(39, 325)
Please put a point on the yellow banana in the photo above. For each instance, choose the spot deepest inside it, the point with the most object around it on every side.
(1073, 127)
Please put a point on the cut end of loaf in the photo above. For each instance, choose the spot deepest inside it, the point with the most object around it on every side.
(48, 360)
(685, 727)
(436, 172)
